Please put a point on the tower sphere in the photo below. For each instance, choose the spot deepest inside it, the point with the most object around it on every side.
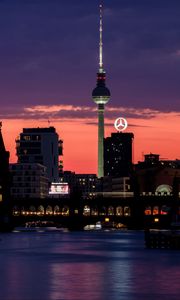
(101, 93)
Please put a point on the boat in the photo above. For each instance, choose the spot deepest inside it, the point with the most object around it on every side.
(96, 226)
(39, 226)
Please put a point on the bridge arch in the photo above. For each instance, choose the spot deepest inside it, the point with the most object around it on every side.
(102, 211)
(23, 211)
(49, 210)
(164, 210)
(127, 211)
(148, 210)
(94, 211)
(57, 210)
(16, 210)
(32, 210)
(86, 210)
(40, 210)
(65, 210)
(110, 211)
(119, 211)
(155, 210)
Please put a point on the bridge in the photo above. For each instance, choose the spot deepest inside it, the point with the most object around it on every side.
(132, 211)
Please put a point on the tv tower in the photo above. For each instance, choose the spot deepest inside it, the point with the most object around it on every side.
(101, 96)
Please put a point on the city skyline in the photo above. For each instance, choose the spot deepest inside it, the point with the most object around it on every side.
(49, 58)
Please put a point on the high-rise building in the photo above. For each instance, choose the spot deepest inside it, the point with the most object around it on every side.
(101, 96)
(40, 145)
(118, 154)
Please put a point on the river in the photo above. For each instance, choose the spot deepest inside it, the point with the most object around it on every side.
(110, 265)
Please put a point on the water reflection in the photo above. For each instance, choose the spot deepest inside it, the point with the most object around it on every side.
(77, 281)
(87, 266)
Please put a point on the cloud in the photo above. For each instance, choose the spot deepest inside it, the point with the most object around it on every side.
(80, 113)
(56, 108)
(110, 124)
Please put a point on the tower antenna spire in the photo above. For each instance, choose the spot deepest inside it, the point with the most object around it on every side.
(100, 38)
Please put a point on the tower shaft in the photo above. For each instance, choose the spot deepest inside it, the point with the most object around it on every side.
(100, 140)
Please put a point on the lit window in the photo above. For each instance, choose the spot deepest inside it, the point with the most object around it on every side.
(27, 137)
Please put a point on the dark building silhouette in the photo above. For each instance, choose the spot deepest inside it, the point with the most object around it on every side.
(4, 169)
(86, 184)
(118, 154)
(158, 176)
(29, 180)
(4, 184)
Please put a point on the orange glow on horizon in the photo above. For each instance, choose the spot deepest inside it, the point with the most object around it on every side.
(156, 135)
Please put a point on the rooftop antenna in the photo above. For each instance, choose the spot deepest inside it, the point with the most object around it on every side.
(100, 38)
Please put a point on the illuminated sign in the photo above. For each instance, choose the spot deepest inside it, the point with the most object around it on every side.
(59, 188)
(120, 124)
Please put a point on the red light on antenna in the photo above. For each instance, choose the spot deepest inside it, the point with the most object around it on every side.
(101, 77)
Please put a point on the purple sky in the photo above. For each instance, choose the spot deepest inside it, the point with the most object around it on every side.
(49, 53)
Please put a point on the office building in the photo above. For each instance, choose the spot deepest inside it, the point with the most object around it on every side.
(117, 184)
(29, 180)
(85, 184)
(42, 146)
(118, 155)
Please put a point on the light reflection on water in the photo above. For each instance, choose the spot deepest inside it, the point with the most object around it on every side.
(87, 266)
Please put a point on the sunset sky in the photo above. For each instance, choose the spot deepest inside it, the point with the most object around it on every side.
(48, 65)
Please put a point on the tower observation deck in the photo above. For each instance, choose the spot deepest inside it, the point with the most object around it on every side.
(101, 96)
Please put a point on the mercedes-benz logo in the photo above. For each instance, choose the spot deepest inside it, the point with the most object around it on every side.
(120, 124)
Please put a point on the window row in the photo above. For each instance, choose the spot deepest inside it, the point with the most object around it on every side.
(87, 211)
(157, 210)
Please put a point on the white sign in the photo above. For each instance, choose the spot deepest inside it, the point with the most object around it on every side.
(59, 188)
(120, 124)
